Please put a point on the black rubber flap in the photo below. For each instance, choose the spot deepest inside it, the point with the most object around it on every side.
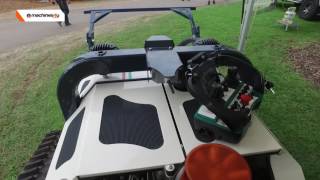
(130, 123)
(70, 140)
(165, 62)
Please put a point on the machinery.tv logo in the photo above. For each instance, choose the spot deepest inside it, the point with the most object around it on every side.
(55, 15)
(40, 15)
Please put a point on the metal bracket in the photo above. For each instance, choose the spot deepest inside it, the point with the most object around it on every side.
(94, 19)
(187, 13)
(97, 14)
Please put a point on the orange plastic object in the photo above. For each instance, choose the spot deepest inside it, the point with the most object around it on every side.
(215, 162)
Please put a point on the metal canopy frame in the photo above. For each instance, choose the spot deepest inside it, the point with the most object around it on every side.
(97, 14)
(247, 12)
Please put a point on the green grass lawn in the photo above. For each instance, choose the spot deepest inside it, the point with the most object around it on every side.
(291, 114)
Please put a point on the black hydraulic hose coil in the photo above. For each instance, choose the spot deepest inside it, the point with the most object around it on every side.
(206, 42)
(104, 46)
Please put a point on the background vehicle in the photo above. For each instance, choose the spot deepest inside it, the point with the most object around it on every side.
(308, 9)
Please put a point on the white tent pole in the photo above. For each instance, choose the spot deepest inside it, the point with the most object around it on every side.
(245, 26)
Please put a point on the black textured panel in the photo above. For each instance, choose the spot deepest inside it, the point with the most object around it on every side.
(131, 123)
(70, 140)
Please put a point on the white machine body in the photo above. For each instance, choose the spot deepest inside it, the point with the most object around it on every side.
(92, 153)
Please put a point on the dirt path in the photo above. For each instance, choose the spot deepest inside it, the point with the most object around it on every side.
(10, 5)
(14, 34)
